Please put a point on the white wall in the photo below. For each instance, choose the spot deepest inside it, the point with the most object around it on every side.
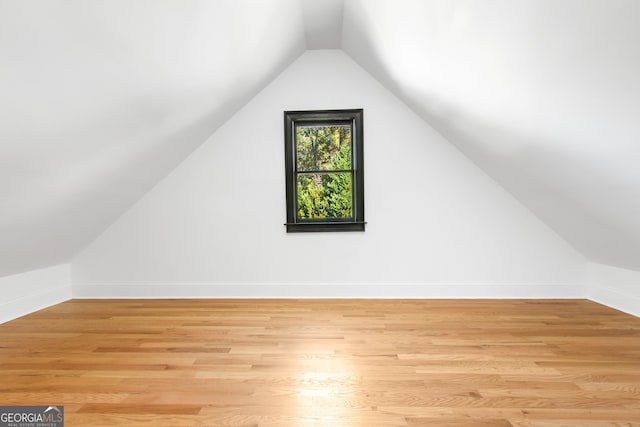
(615, 287)
(25, 293)
(437, 225)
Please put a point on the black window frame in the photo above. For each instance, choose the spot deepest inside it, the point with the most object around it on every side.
(319, 117)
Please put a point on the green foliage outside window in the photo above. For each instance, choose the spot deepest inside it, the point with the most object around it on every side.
(324, 180)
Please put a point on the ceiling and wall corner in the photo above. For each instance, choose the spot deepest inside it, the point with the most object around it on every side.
(100, 100)
(323, 23)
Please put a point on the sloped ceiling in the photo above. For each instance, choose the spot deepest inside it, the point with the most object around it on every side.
(101, 99)
(544, 95)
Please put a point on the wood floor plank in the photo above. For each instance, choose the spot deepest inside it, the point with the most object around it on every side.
(286, 363)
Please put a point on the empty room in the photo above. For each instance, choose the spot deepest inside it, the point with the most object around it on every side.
(319, 213)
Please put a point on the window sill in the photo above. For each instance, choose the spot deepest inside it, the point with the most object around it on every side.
(304, 227)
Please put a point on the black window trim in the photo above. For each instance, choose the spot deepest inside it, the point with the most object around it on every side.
(310, 117)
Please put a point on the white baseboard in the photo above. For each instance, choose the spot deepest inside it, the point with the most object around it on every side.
(615, 287)
(327, 290)
(27, 304)
(615, 298)
(24, 293)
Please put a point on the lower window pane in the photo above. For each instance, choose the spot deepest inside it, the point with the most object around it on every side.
(324, 196)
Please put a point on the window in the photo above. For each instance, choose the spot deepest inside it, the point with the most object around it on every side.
(324, 170)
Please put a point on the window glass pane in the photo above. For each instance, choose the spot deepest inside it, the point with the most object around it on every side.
(324, 196)
(323, 147)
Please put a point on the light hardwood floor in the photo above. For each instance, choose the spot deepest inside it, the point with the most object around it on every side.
(300, 363)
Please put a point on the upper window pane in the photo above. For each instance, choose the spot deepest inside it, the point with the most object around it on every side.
(323, 148)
